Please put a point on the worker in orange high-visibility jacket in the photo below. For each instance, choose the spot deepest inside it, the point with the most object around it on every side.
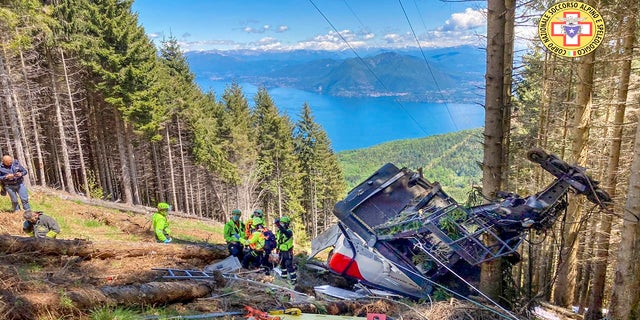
(255, 244)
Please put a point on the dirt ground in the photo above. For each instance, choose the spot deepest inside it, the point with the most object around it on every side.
(35, 285)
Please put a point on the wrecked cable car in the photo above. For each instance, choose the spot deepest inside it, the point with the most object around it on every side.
(400, 233)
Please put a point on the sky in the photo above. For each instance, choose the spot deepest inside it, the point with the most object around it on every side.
(282, 25)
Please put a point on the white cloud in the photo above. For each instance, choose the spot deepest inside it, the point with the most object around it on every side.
(266, 43)
(393, 38)
(469, 19)
(262, 29)
(368, 36)
(154, 35)
(331, 41)
(282, 28)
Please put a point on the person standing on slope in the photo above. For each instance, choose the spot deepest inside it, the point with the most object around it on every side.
(284, 240)
(12, 179)
(161, 223)
(234, 233)
(255, 243)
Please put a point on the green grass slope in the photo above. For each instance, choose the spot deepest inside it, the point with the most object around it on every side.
(451, 159)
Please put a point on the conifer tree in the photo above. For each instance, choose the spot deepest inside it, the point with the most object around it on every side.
(279, 169)
(238, 144)
(320, 171)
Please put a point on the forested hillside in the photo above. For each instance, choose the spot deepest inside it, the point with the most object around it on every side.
(453, 74)
(92, 107)
(452, 159)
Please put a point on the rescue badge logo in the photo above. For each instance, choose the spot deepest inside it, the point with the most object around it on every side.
(571, 29)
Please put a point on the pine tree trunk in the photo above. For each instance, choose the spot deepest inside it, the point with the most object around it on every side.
(199, 190)
(183, 167)
(135, 192)
(64, 149)
(13, 108)
(172, 176)
(76, 129)
(619, 296)
(110, 250)
(509, 34)
(626, 285)
(160, 189)
(603, 235)
(491, 272)
(30, 103)
(566, 274)
(125, 173)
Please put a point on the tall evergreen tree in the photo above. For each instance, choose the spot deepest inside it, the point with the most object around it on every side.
(279, 169)
(320, 171)
(238, 136)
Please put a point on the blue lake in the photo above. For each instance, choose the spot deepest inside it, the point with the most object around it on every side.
(354, 123)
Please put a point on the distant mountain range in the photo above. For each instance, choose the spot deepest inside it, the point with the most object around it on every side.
(444, 74)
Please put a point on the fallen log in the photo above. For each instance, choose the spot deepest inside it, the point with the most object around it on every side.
(561, 311)
(151, 293)
(31, 305)
(107, 250)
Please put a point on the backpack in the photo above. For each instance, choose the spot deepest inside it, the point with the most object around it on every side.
(269, 240)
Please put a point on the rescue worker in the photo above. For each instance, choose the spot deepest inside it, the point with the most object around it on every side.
(233, 232)
(161, 224)
(248, 230)
(255, 243)
(284, 239)
(39, 225)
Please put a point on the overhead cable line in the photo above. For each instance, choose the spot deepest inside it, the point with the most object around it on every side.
(368, 67)
(428, 65)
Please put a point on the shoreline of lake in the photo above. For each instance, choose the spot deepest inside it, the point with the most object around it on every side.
(355, 123)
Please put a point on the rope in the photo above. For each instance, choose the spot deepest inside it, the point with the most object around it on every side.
(508, 315)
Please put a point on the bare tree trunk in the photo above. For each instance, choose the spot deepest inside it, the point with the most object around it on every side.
(314, 202)
(124, 160)
(566, 274)
(626, 285)
(132, 164)
(5, 82)
(187, 207)
(172, 175)
(509, 34)
(64, 149)
(585, 264)
(76, 130)
(603, 235)
(199, 190)
(491, 272)
(107, 250)
(30, 104)
(160, 190)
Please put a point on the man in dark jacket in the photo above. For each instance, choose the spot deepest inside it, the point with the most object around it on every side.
(12, 178)
(39, 225)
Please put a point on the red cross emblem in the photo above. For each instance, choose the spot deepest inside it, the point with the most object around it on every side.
(571, 28)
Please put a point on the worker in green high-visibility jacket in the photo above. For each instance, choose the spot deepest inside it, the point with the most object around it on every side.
(161, 223)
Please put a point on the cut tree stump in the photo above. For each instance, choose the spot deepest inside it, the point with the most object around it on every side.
(103, 250)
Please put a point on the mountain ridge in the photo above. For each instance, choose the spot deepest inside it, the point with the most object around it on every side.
(434, 75)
